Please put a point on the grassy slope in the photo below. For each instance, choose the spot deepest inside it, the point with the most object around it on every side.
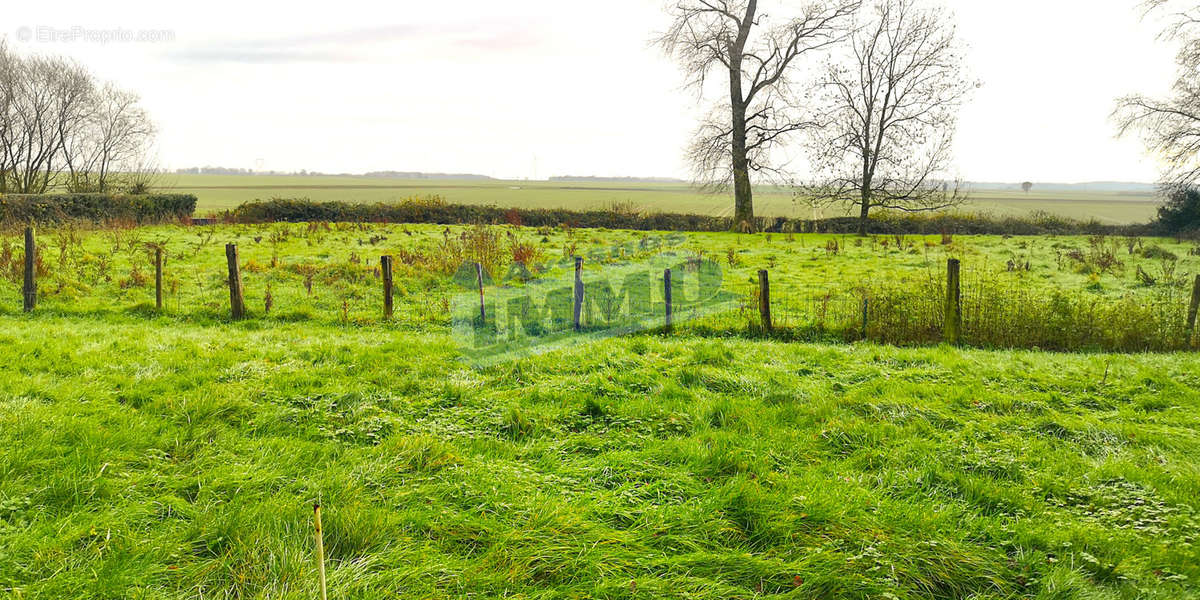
(178, 456)
(227, 191)
(155, 458)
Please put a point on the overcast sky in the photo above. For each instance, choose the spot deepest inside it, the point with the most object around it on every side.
(525, 88)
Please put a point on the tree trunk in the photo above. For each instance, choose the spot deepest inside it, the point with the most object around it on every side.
(863, 217)
(864, 198)
(743, 193)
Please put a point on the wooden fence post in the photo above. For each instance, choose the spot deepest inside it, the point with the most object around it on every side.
(30, 288)
(479, 281)
(953, 327)
(1193, 309)
(385, 265)
(237, 304)
(578, 292)
(764, 299)
(158, 274)
(667, 296)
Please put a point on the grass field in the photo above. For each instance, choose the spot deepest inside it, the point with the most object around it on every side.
(218, 192)
(95, 270)
(177, 455)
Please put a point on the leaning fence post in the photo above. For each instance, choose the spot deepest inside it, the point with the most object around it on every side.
(30, 288)
(385, 265)
(764, 299)
(237, 305)
(667, 296)
(158, 276)
(1193, 309)
(953, 328)
(578, 292)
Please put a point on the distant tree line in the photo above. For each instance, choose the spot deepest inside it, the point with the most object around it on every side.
(598, 179)
(220, 171)
(62, 129)
(210, 170)
(421, 175)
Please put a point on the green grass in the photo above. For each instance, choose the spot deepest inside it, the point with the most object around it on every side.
(217, 192)
(149, 458)
(113, 269)
(178, 455)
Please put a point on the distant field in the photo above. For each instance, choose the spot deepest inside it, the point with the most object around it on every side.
(217, 192)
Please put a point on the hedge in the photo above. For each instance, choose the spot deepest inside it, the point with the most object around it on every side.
(98, 208)
(433, 210)
(983, 224)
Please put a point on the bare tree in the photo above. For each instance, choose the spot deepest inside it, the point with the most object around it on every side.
(74, 94)
(1026, 186)
(58, 127)
(114, 139)
(33, 138)
(889, 114)
(1170, 126)
(50, 97)
(8, 78)
(733, 38)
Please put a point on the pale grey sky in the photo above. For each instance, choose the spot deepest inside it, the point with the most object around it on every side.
(491, 87)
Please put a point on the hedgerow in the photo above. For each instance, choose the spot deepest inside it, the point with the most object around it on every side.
(435, 210)
(97, 208)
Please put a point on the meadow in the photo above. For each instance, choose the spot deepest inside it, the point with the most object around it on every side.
(330, 271)
(176, 454)
(220, 192)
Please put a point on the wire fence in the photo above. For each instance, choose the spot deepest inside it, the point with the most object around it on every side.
(994, 313)
(989, 311)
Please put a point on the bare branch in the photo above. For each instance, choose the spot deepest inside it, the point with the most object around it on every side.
(1170, 126)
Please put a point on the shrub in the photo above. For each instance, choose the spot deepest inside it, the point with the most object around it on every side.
(525, 253)
(479, 244)
(1181, 211)
(1158, 252)
(16, 209)
(136, 279)
(513, 217)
